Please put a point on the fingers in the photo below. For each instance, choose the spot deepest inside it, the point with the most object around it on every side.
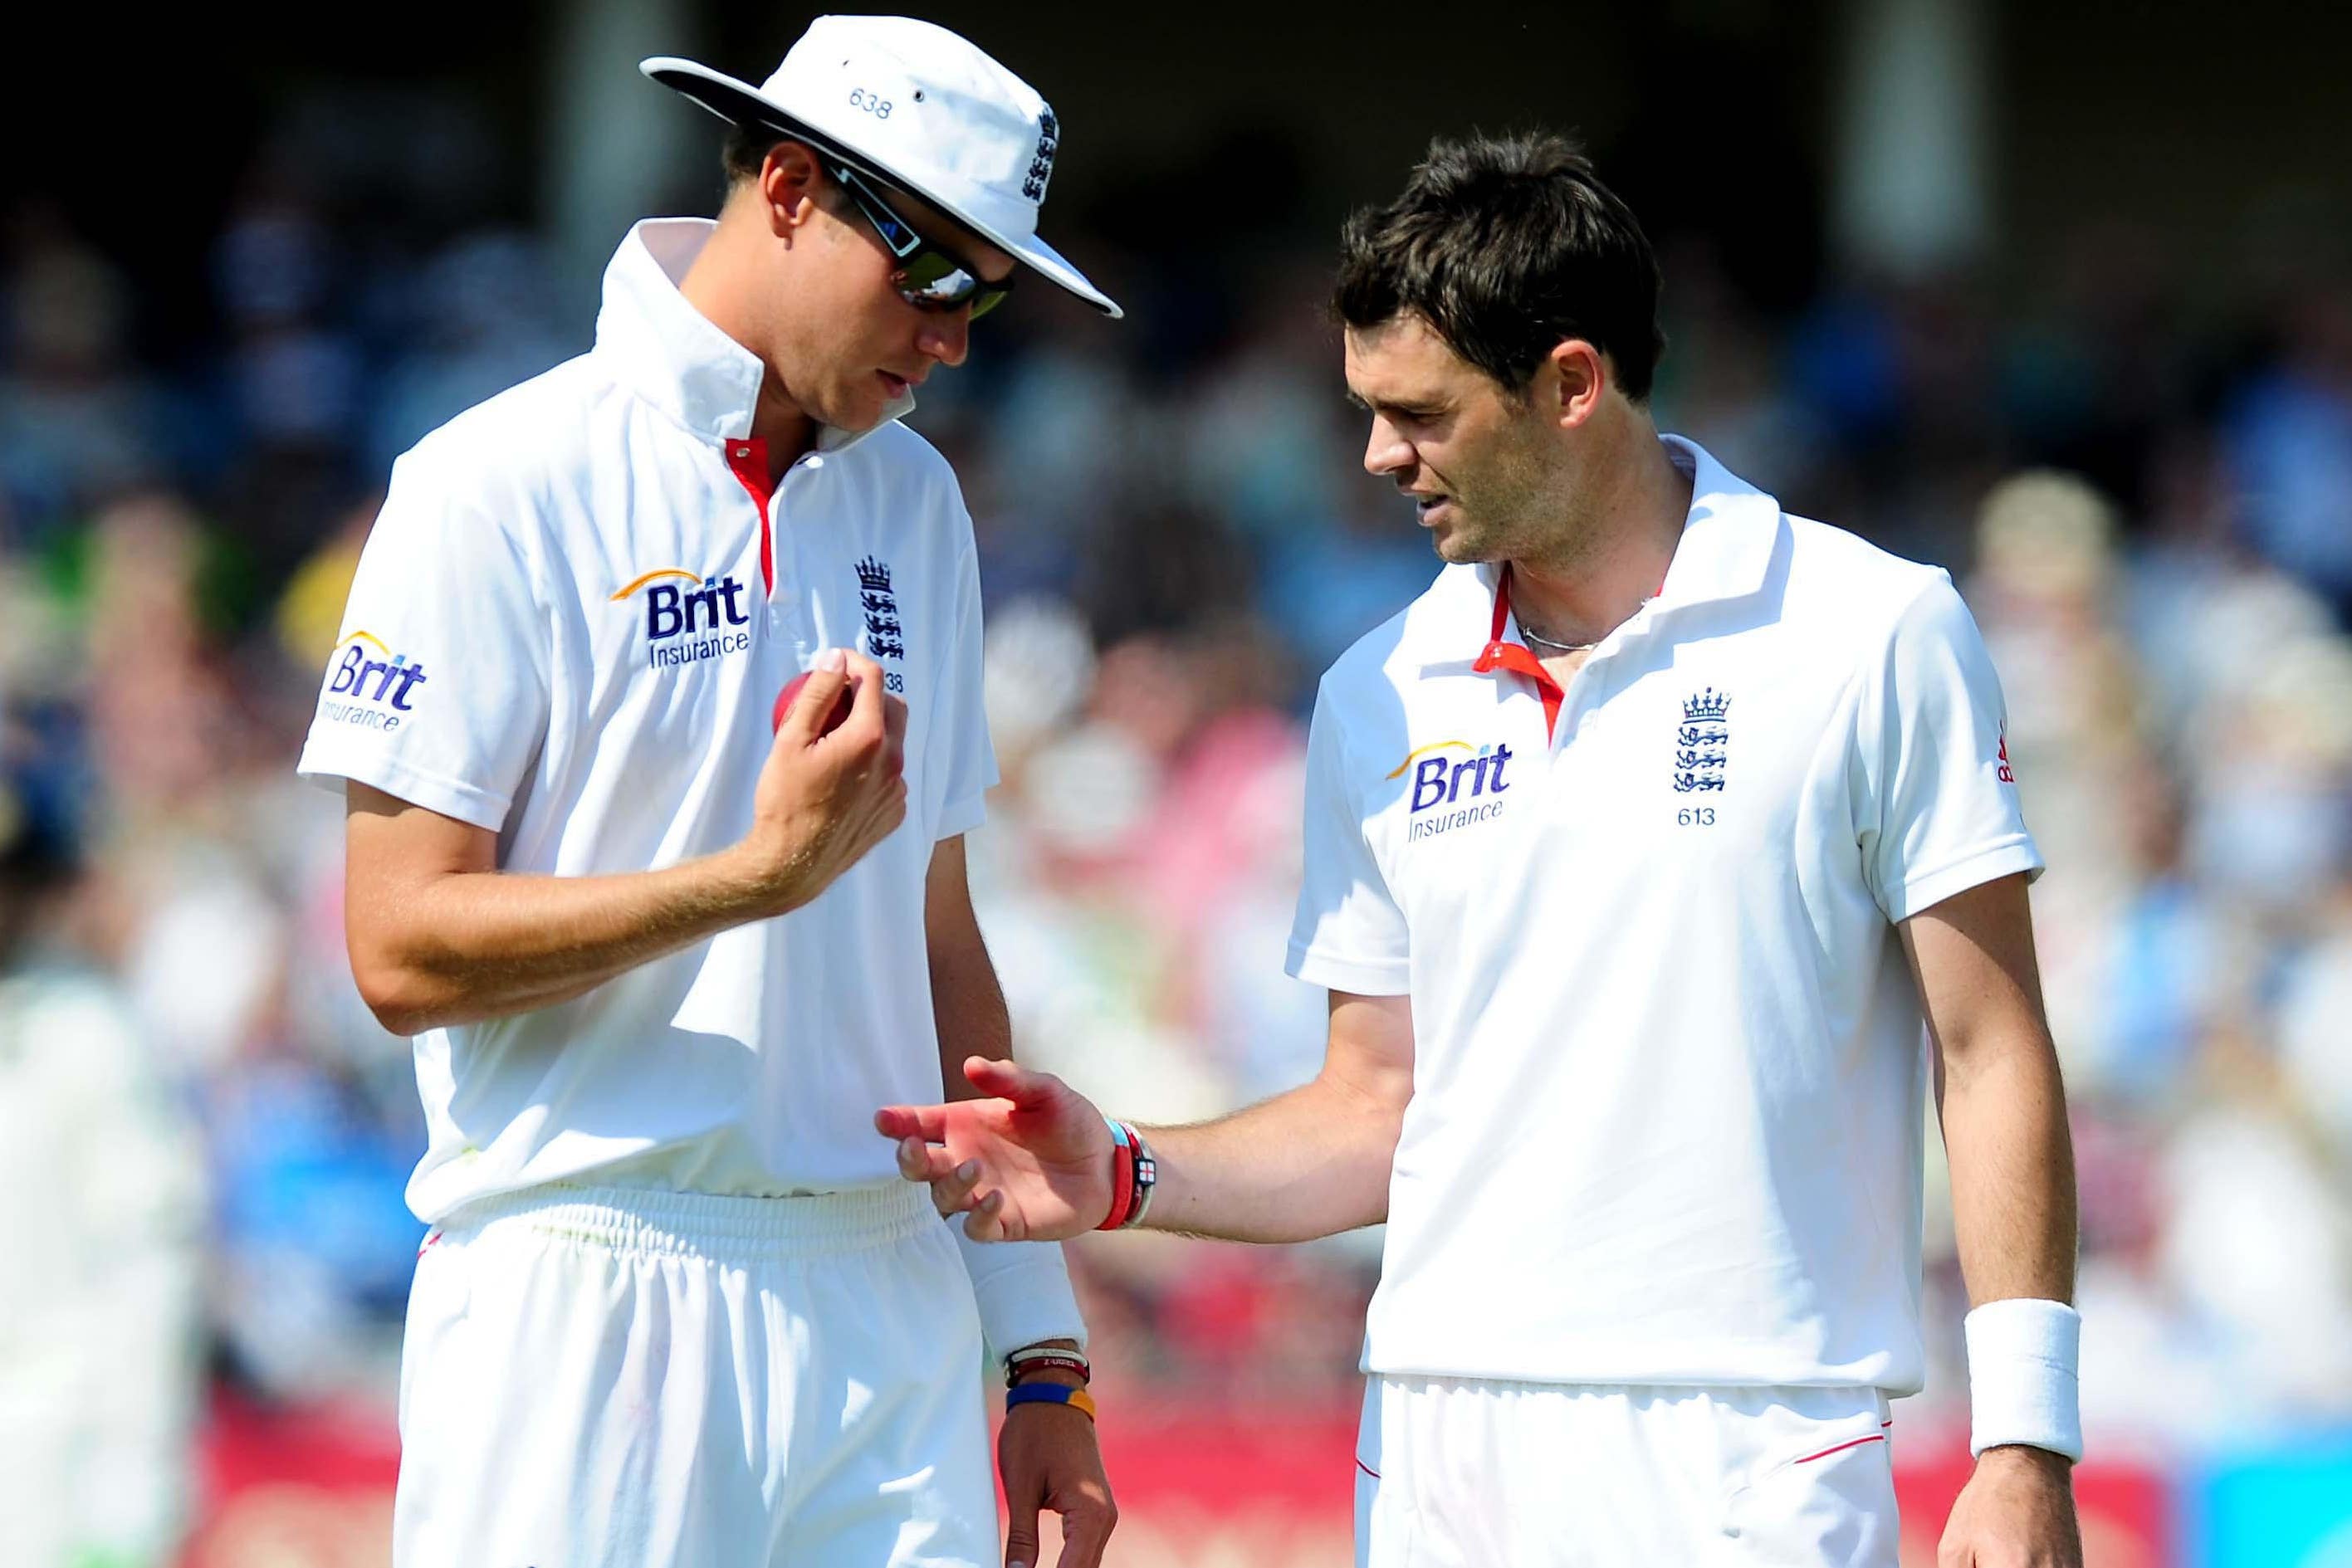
(929, 1122)
(1086, 1525)
(894, 734)
(952, 1193)
(805, 720)
(990, 1221)
(877, 724)
(1021, 1535)
(920, 1161)
(866, 698)
(952, 1184)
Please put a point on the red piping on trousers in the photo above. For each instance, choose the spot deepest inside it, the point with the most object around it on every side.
(1841, 1447)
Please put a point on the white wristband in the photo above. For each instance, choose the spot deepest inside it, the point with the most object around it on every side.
(1023, 1290)
(2023, 1386)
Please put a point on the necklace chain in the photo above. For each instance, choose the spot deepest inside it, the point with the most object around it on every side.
(1534, 636)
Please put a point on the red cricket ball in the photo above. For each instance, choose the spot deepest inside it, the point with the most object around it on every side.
(792, 689)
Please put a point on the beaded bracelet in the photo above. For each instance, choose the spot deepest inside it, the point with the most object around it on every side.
(1050, 1393)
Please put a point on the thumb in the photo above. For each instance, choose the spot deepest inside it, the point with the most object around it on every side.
(820, 689)
(1010, 1081)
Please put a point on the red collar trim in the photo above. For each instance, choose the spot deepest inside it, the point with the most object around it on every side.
(748, 459)
(1516, 657)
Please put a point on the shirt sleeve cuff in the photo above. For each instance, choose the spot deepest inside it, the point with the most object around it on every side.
(435, 792)
(1318, 967)
(1924, 890)
(960, 816)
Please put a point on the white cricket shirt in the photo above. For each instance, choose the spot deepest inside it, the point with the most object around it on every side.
(570, 626)
(1668, 1058)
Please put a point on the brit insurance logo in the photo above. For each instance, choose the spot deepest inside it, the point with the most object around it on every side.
(689, 618)
(1703, 741)
(369, 686)
(1453, 785)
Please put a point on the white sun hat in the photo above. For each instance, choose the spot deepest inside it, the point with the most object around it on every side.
(921, 108)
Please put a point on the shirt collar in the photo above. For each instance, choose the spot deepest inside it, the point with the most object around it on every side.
(674, 357)
(1727, 543)
(1727, 538)
(1724, 550)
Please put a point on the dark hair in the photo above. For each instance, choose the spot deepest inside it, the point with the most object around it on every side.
(1507, 246)
(746, 149)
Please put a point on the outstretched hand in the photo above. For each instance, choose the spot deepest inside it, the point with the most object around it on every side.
(1031, 1163)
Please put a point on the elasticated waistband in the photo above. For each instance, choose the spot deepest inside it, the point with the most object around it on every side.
(655, 1220)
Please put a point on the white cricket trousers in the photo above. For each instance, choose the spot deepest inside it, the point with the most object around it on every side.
(1463, 1473)
(616, 1378)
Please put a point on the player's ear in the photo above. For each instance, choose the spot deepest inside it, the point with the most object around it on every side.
(1570, 381)
(790, 180)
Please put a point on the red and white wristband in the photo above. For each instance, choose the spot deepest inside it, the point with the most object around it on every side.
(1031, 1358)
(1133, 1175)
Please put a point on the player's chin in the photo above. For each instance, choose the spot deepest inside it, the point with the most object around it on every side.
(857, 410)
(1458, 546)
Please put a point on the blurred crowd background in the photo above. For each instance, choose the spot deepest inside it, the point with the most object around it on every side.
(2116, 401)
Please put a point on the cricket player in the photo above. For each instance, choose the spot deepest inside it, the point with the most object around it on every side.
(1638, 849)
(665, 940)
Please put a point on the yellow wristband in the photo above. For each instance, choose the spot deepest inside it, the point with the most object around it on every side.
(1050, 1393)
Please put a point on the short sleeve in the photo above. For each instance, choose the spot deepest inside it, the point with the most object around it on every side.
(962, 769)
(1349, 934)
(1934, 795)
(437, 694)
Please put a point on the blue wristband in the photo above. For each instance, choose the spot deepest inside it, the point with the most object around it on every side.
(1050, 1393)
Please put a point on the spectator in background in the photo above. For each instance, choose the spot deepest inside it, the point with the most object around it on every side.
(79, 418)
(2290, 438)
(101, 1207)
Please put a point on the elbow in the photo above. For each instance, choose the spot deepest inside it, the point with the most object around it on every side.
(1374, 1114)
(403, 1000)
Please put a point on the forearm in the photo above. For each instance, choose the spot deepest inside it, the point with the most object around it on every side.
(2012, 1171)
(467, 945)
(1021, 1290)
(1305, 1164)
(968, 1003)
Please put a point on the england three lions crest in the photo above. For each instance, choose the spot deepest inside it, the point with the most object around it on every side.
(885, 633)
(1702, 741)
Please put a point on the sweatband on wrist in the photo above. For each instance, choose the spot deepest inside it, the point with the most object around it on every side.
(1051, 1393)
(2023, 1383)
(1023, 1291)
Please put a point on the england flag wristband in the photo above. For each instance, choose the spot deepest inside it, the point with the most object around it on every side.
(2023, 1384)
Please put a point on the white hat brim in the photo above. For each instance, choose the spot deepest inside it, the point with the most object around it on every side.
(743, 104)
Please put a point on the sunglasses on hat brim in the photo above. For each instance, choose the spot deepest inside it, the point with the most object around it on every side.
(928, 276)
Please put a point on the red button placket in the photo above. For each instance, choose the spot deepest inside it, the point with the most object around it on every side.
(749, 462)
